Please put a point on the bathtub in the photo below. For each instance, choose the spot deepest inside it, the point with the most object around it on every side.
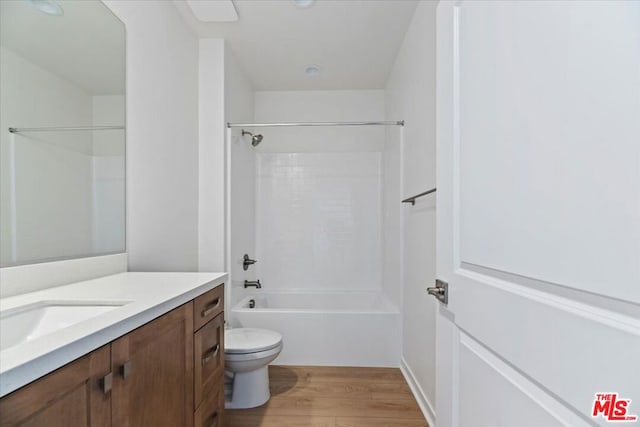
(330, 329)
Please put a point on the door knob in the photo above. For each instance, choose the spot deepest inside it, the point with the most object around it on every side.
(440, 291)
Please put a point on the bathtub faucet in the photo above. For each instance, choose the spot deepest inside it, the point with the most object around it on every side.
(246, 262)
(255, 283)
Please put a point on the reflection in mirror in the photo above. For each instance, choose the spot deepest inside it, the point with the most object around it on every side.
(62, 164)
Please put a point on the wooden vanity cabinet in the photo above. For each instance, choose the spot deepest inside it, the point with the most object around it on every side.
(74, 395)
(144, 378)
(153, 372)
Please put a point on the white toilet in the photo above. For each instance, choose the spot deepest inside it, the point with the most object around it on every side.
(247, 354)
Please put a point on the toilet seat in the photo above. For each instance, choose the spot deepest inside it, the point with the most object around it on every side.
(258, 355)
(250, 340)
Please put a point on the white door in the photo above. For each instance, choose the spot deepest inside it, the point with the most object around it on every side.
(538, 213)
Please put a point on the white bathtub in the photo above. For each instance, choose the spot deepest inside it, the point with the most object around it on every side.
(331, 329)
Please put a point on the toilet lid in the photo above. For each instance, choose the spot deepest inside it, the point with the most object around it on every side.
(250, 340)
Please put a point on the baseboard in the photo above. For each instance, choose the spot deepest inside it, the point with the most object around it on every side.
(418, 393)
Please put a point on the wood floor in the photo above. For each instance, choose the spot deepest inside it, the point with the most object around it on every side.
(321, 396)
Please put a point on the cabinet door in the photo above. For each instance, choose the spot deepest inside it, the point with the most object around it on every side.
(74, 395)
(153, 372)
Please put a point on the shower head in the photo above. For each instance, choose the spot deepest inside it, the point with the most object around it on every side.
(255, 139)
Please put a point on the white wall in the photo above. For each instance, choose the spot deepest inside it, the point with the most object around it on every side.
(239, 107)
(211, 211)
(46, 177)
(162, 137)
(225, 95)
(410, 95)
(392, 212)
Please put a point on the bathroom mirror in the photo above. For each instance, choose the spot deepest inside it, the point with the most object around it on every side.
(62, 137)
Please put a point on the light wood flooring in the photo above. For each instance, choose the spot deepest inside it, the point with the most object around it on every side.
(322, 396)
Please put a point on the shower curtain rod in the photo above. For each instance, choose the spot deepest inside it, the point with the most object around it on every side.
(267, 125)
(67, 128)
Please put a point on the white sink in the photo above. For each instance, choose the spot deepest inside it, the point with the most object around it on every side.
(26, 323)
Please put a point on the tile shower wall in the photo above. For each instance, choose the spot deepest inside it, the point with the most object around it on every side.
(318, 222)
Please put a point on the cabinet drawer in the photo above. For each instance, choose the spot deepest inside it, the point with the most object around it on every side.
(207, 306)
(211, 412)
(209, 359)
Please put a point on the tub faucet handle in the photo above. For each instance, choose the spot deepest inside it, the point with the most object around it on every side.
(246, 262)
(255, 283)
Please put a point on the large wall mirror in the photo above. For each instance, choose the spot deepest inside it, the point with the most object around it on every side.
(62, 121)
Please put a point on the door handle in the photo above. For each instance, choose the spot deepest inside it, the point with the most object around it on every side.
(440, 291)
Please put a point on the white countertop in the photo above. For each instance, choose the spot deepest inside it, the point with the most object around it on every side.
(147, 296)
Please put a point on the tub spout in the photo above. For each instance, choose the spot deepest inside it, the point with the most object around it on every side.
(255, 283)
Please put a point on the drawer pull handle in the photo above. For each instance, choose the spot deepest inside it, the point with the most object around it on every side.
(209, 355)
(210, 308)
(214, 419)
(125, 370)
(106, 383)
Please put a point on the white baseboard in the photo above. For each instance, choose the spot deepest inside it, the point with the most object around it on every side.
(418, 393)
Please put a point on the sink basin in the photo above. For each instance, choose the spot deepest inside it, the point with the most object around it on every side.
(26, 323)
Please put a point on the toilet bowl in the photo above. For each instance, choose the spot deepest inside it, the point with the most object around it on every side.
(247, 354)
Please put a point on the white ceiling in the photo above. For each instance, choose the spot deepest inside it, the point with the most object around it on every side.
(85, 46)
(354, 42)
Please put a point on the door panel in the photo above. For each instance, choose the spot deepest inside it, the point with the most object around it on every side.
(71, 410)
(549, 118)
(538, 210)
(482, 373)
(568, 348)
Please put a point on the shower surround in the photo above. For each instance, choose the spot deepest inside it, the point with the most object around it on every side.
(307, 203)
(319, 221)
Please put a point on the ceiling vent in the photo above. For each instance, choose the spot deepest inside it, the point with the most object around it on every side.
(213, 10)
